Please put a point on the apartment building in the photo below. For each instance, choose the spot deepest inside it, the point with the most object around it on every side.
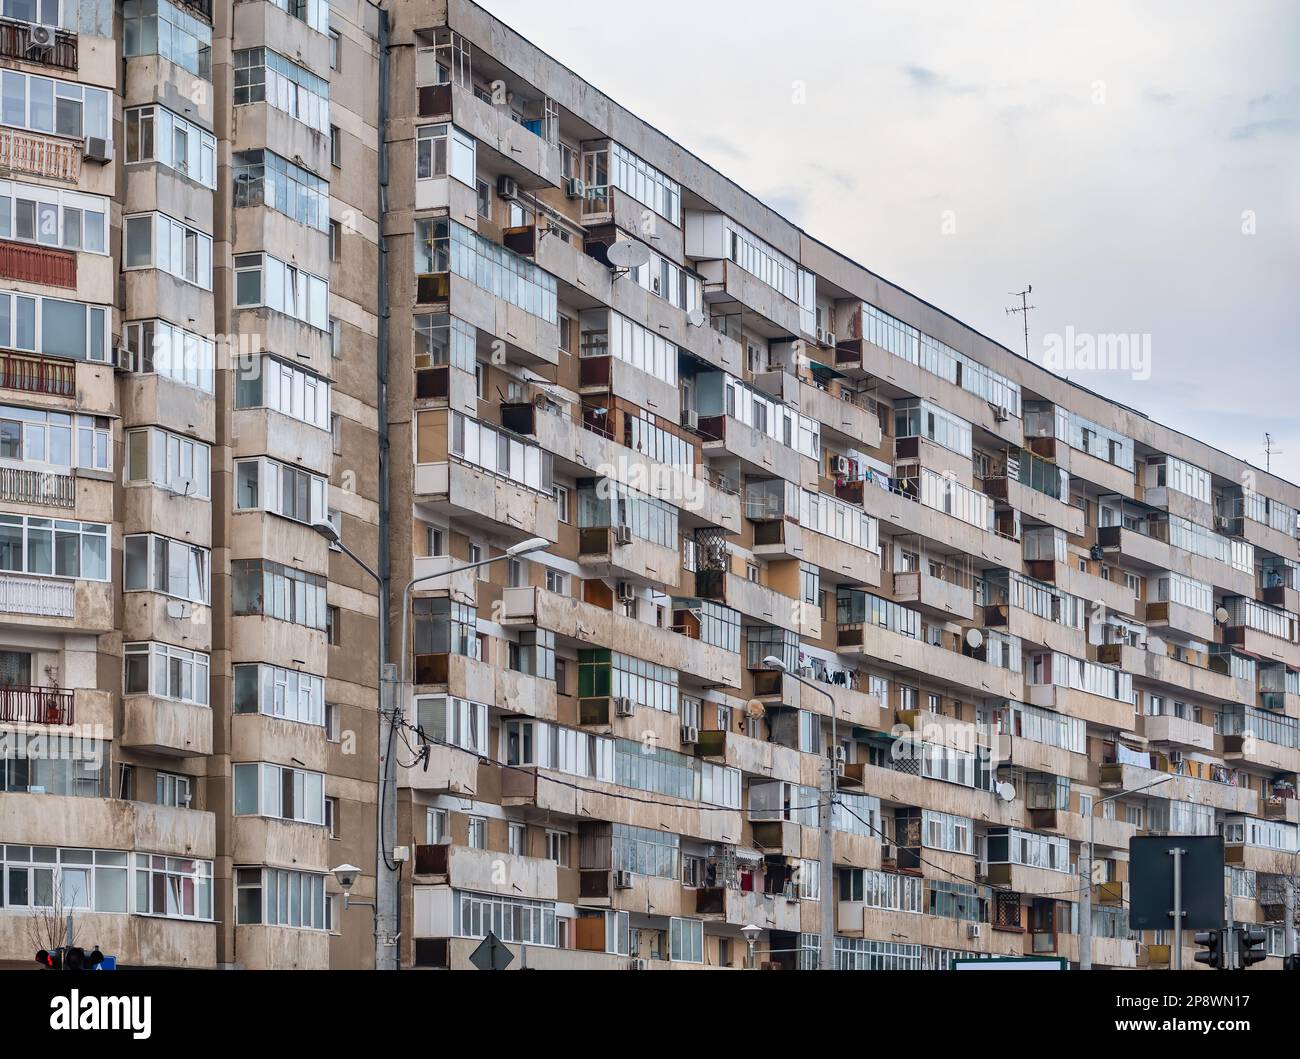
(395, 270)
(189, 245)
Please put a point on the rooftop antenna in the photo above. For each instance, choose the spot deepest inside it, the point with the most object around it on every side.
(1023, 308)
(1269, 451)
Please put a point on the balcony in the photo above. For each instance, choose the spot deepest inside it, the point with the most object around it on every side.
(35, 705)
(16, 43)
(37, 375)
(44, 597)
(935, 595)
(25, 486)
(161, 726)
(908, 655)
(32, 154)
(38, 264)
(489, 871)
(740, 907)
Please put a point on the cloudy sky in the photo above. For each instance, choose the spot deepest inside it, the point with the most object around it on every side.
(1139, 164)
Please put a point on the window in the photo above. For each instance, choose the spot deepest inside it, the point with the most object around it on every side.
(268, 382)
(484, 191)
(27, 766)
(557, 847)
(264, 76)
(443, 245)
(155, 347)
(60, 108)
(173, 790)
(450, 721)
(45, 877)
(512, 919)
(53, 217)
(175, 887)
(55, 547)
(435, 826)
(477, 832)
(259, 586)
(263, 178)
(517, 839)
(315, 13)
(557, 582)
(267, 485)
(40, 12)
(45, 439)
(562, 496)
(333, 626)
(263, 280)
(282, 898)
(169, 461)
(336, 147)
(156, 27)
(334, 45)
(332, 817)
(336, 240)
(53, 327)
(155, 240)
(278, 692)
(152, 563)
(280, 792)
(488, 448)
(607, 333)
(333, 722)
(166, 672)
(444, 150)
(155, 134)
(686, 940)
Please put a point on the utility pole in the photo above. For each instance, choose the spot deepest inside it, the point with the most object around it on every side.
(1269, 451)
(1289, 928)
(1023, 308)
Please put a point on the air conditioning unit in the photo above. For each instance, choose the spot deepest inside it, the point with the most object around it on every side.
(839, 768)
(808, 671)
(1000, 414)
(1096, 553)
(622, 880)
(507, 187)
(690, 734)
(574, 188)
(839, 754)
(974, 930)
(690, 419)
(98, 149)
(654, 284)
(840, 465)
(39, 39)
(830, 339)
(639, 964)
(624, 707)
(887, 852)
(622, 534)
(624, 591)
(821, 335)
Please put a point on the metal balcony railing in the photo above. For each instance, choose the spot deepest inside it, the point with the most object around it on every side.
(36, 155)
(37, 375)
(46, 597)
(16, 43)
(35, 705)
(25, 486)
(38, 264)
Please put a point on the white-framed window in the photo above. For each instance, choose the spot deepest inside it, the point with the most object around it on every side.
(61, 108)
(152, 563)
(264, 76)
(517, 839)
(170, 461)
(173, 790)
(166, 672)
(557, 847)
(155, 134)
(155, 347)
(280, 897)
(70, 220)
(686, 940)
(268, 382)
(263, 484)
(278, 692)
(446, 719)
(557, 582)
(444, 150)
(55, 327)
(435, 826)
(279, 792)
(38, 12)
(45, 877)
(263, 280)
(477, 832)
(562, 495)
(54, 547)
(155, 240)
(58, 441)
(175, 887)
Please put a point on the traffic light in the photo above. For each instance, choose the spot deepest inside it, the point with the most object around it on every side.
(74, 959)
(50, 960)
(1251, 945)
(93, 959)
(1212, 941)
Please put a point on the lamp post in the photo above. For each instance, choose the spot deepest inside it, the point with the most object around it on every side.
(388, 909)
(1085, 874)
(751, 934)
(827, 799)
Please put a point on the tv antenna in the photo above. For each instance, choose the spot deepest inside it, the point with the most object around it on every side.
(1023, 308)
(1269, 451)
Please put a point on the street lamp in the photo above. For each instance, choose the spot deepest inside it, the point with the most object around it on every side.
(1085, 872)
(387, 905)
(827, 798)
(751, 934)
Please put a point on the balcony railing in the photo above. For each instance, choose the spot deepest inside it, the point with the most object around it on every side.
(36, 155)
(35, 705)
(38, 264)
(44, 597)
(26, 486)
(16, 43)
(37, 375)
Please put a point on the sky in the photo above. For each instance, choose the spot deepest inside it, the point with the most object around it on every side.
(1138, 164)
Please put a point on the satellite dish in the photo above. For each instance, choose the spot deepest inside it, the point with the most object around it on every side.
(1006, 792)
(627, 254)
(696, 318)
(1221, 615)
(974, 639)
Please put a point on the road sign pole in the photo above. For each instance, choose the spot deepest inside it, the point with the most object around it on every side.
(1177, 913)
